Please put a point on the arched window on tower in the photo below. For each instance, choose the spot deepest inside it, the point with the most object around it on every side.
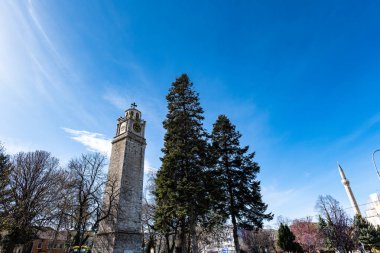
(137, 116)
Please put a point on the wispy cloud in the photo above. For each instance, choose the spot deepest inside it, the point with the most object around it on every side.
(148, 168)
(290, 202)
(116, 100)
(36, 67)
(13, 146)
(364, 128)
(98, 143)
(93, 141)
(277, 198)
(42, 31)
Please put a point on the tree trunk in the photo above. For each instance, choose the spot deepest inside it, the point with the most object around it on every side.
(56, 232)
(188, 244)
(173, 240)
(235, 234)
(193, 234)
(27, 247)
(179, 242)
(157, 248)
(167, 243)
(180, 246)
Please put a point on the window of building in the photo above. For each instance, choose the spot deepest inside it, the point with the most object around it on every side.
(39, 245)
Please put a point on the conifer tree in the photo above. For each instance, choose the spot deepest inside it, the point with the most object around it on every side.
(236, 172)
(286, 240)
(5, 170)
(180, 183)
(368, 235)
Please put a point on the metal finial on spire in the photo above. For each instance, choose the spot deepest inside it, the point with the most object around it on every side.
(133, 105)
(341, 172)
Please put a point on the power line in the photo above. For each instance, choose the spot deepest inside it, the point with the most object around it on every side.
(361, 204)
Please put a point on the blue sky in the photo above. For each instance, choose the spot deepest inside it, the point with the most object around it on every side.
(299, 79)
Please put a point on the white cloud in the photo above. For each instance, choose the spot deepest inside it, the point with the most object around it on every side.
(148, 167)
(93, 141)
(13, 146)
(98, 143)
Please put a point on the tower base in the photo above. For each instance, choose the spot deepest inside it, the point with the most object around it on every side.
(118, 242)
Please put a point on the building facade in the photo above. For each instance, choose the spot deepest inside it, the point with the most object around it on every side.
(222, 241)
(373, 209)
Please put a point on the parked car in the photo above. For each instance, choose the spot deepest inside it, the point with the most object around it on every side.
(80, 249)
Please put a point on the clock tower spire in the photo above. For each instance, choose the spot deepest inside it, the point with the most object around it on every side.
(121, 232)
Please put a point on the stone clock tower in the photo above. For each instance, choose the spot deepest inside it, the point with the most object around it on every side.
(122, 232)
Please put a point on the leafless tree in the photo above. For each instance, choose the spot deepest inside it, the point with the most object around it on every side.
(150, 235)
(153, 238)
(61, 222)
(89, 186)
(283, 220)
(336, 227)
(33, 182)
(258, 241)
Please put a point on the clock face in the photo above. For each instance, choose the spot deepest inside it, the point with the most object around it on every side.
(137, 127)
(123, 127)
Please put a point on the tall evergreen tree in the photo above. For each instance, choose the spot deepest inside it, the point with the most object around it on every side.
(5, 170)
(180, 183)
(236, 172)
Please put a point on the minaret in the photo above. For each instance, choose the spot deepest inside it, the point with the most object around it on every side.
(122, 232)
(350, 195)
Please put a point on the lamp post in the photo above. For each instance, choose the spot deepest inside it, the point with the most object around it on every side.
(374, 162)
